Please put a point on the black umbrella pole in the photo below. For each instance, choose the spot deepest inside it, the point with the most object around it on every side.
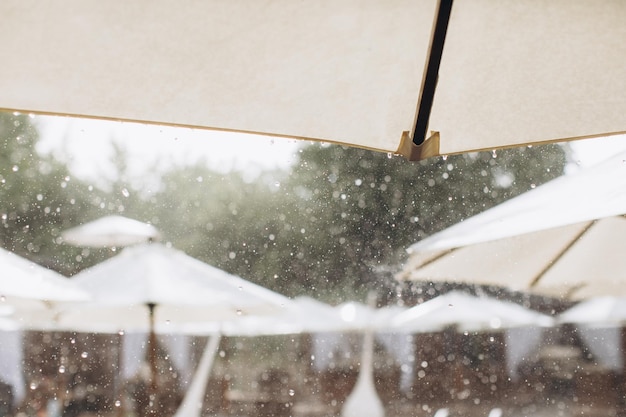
(152, 360)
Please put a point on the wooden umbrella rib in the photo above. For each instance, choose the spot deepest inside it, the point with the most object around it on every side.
(559, 255)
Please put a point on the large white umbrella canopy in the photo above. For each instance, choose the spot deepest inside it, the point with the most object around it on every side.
(181, 289)
(418, 77)
(562, 238)
(156, 288)
(111, 231)
(467, 313)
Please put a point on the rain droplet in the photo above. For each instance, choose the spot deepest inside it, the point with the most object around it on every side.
(84, 355)
(494, 153)
(121, 332)
(33, 385)
(61, 369)
(125, 192)
(444, 157)
(15, 168)
(118, 403)
(292, 393)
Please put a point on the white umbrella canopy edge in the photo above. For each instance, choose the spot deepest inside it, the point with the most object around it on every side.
(596, 311)
(467, 312)
(361, 67)
(27, 280)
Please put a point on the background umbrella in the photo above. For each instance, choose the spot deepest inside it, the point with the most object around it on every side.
(111, 231)
(562, 238)
(456, 312)
(606, 310)
(599, 321)
(362, 69)
(150, 285)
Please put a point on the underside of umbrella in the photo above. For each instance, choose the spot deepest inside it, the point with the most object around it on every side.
(563, 238)
(416, 77)
(576, 261)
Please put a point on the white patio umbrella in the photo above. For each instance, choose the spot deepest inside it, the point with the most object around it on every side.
(111, 231)
(156, 288)
(562, 238)
(177, 288)
(418, 77)
(462, 312)
(600, 322)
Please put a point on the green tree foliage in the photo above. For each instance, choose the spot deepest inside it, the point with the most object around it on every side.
(38, 196)
(362, 209)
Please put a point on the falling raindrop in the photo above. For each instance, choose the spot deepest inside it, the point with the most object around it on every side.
(118, 403)
(61, 369)
(291, 393)
(84, 355)
(125, 192)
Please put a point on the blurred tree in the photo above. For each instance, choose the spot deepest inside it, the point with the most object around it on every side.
(362, 209)
(38, 197)
(339, 223)
(227, 221)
